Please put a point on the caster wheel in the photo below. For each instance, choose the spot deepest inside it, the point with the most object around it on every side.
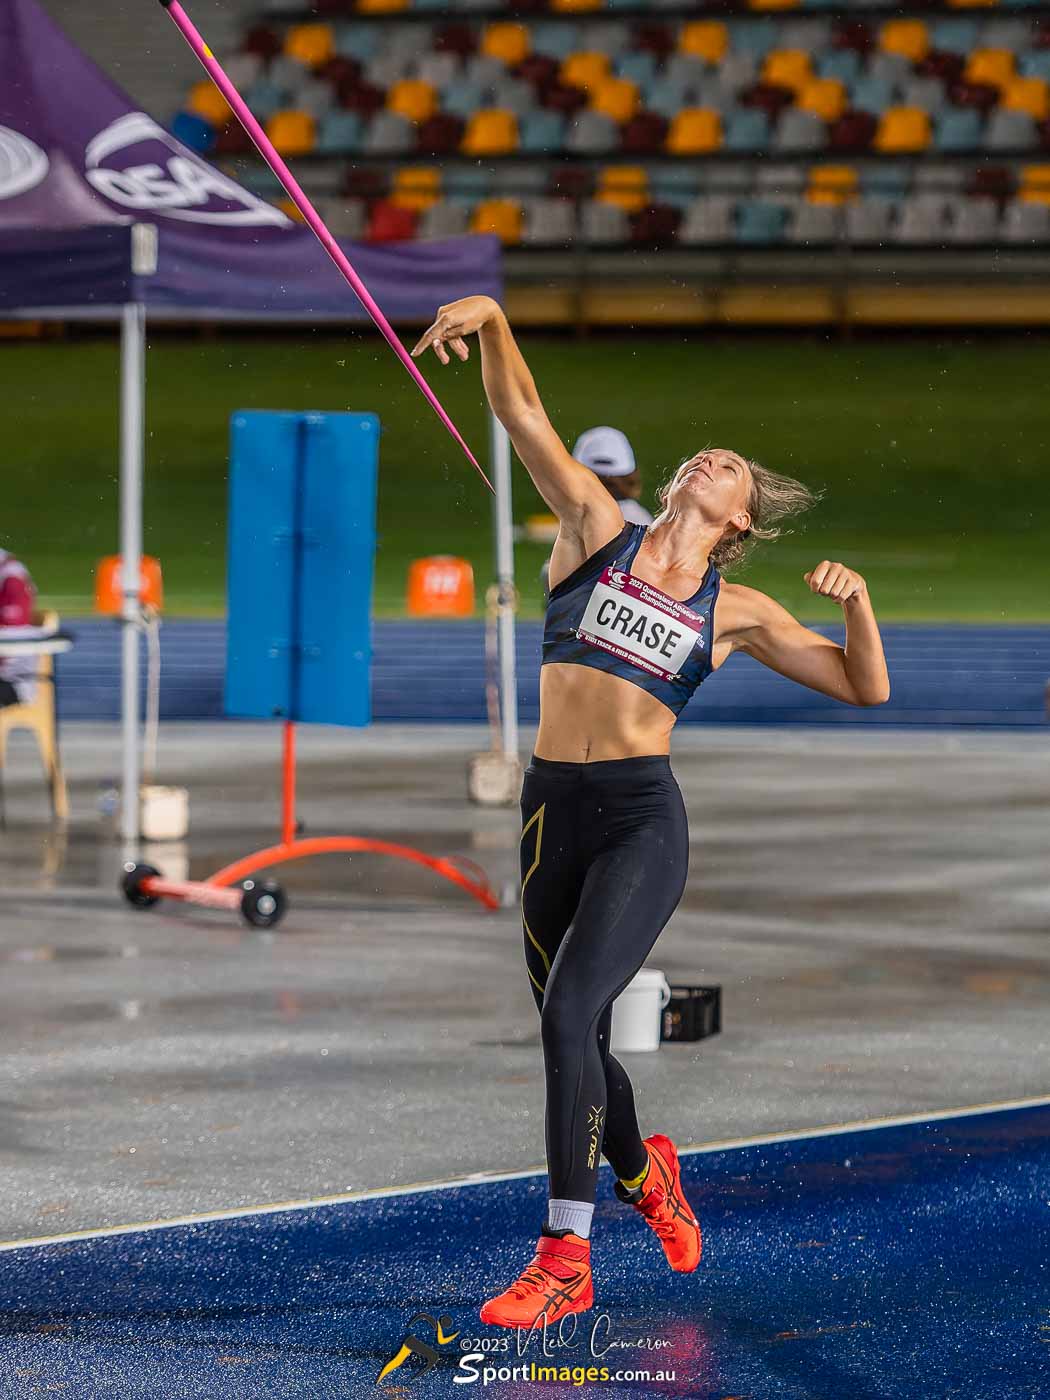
(263, 903)
(131, 885)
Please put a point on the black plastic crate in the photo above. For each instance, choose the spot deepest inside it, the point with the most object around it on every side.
(692, 1013)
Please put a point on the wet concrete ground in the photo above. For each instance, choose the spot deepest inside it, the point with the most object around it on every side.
(875, 906)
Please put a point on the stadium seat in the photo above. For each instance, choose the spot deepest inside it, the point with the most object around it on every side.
(542, 132)
(799, 131)
(644, 134)
(1009, 131)
(992, 66)
(339, 133)
(344, 217)
(832, 184)
(1035, 184)
(265, 98)
(562, 97)
(575, 6)
(907, 37)
(381, 7)
(892, 68)
(704, 38)
(243, 69)
(293, 133)
(610, 36)
(737, 70)
(440, 135)
(824, 97)
(412, 98)
(940, 176)
(843, 64)
(1036, 64)
(697, 130)
(640, 68)
(624, 185)
(507, 41)
(746, 130)
(483, 71)
(388, 134)
(443, 220)
(655, 226)
(767, 97)
(953, 34)
(975, 221)
(1005, 33)
(205, 100)
(416, 187)
(756, 37)
(708, 220)
(194, 131)
(513, 95)
(1030, 95)
(674, 184)
(958, 129)
(387, 223)
(903, 129)
(310, 44)
(923, 219)
(584, 70)
(233, 140)
(616, 97)
(456, 37)
(1026, 223)
(788, 68)
(994, 181)
(262, 40)
(869, 220)
(925, 92)
(854, 131)
(815, 224)
(490, 132)
(603, 223)
(549, 221)
(499, 216)
(759, 221)
(591, 133)
(872, 95)
(463, 100)
(784, 180)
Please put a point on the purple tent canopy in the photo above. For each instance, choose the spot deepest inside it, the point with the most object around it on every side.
(78, 161)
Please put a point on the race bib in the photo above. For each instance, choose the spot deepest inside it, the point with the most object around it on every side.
(638, 623)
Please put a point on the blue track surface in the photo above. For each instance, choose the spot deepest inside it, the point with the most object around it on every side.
(902, 1261)
(421, 671)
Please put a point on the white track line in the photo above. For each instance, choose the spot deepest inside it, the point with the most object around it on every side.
(483, 1178)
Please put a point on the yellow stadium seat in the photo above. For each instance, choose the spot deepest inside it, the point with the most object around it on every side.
(705, 38)
(903, 129)
(616, 97)
(416, 187)
(412, 98)
(1035, 184)
(499, 216)
(573, 6)
(824, 96)
(381, 7)
(831, 184)
(510, 42)
(787, 68)
(994, 66)
(773, 4)
(694, 131)
(908, 37)
(1031, 95)
(493, 131)
(208, 102)
(585, 70)
(292, 132)
(624, 185)
(312, 44)
(971, 4)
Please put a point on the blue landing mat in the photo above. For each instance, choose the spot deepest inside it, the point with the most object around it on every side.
(908, 1260)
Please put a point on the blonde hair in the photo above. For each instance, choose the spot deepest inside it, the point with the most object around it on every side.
(772, 498)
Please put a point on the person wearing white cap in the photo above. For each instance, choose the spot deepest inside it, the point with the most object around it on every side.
(608, 454)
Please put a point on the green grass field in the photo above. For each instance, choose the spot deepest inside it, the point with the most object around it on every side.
(933, 457)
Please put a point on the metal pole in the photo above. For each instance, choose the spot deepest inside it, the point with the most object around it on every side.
(132, 397)
(503, 523)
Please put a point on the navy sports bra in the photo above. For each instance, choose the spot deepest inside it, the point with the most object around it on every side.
(602, 616)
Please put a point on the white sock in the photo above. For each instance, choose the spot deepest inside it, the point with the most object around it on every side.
(570, 1215)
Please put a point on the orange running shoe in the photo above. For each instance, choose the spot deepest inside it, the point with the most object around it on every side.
(555, 1283)
(665, 1207)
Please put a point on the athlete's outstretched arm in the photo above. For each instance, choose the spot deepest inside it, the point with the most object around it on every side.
(572, 492)
(855, 673)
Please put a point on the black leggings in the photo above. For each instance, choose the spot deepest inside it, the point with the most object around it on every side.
(604, 856)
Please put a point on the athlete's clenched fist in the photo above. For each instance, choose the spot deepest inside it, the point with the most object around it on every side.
(835, 581)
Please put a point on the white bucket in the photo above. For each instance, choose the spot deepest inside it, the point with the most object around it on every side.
(638, 1012)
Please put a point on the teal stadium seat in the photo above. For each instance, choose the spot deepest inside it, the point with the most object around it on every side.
(638, 68)
(265, 98)
(666, 98)
(339, 133)
(756, 37)
(953, 34)
(885, 181)
(1036, 64)
(843, 64)
(558, 40)
(463, 99)
(541, 132)
(760, 222)
(746, 130)
(360, 41)
(872, 95)
(957, 129)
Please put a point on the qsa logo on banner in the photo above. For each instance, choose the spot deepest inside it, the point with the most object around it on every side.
(137, 165)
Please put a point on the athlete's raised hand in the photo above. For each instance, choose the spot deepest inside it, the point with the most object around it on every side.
(835, 581)
(454, 321)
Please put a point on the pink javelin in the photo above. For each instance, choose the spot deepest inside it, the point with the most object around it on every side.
(273, 160)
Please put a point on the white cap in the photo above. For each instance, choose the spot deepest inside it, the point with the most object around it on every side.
(606, 451)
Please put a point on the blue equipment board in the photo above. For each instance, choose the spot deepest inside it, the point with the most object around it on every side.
(300, 555)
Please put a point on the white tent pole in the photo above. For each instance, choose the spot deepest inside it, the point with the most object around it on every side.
(132, 431)
(503, 523)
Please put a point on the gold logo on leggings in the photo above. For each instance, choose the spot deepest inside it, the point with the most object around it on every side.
(595, 1124)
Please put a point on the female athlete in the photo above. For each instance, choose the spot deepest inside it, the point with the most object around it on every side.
(631, 630)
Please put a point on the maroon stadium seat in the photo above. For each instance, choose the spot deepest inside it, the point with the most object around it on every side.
(456, 38)
(364, 182)
(562, 97)
(233, 140)
(854, 131)
(339, 71)
(263, 40)
(768, 97)
(980, 95)
(539, 69)
(644, 134)
(946, 66)
(654, 38)
(571, 182)
(852, 34)
(440, 135)
(361, 97)
(655, 227)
